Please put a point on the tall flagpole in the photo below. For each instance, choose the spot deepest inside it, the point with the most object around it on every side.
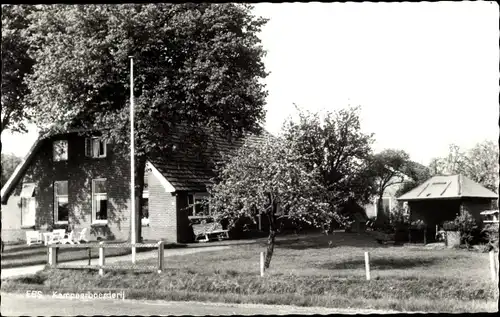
(132, 162)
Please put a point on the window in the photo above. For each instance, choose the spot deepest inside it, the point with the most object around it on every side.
(60, 150)
(145, 211)
(145, 190)
(95, 147)
(145, 200)
(197, 207)
(99, 201)
(28, 205)
(61, 211)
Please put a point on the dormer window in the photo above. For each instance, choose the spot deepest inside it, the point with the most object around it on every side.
(60, 150)
(95, 147)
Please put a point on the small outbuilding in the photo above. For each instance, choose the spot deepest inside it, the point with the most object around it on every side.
(442, 197)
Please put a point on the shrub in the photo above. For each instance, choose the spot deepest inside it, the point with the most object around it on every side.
(418, 224)
(466, 225)
(399, 215)
(491, 232)
(483, 248)
(450, 226)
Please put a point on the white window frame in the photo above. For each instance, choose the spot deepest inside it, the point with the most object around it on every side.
(94, 220)
(25, 203)
(90, 144)
(195, 197)
(56, 145)
(56, 206)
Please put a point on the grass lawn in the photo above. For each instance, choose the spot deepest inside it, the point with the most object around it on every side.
(22, 255)
(307, 271)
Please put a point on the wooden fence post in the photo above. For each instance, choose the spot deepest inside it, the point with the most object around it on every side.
(89, 253)
(101, 258)
(367, 266)
(161, 257)
(493, 270)
(262, 264)
(52, 256)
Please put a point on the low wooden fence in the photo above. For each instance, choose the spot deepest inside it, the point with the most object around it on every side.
(52, 251)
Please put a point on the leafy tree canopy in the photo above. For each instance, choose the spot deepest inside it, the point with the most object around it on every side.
(16, 64)
(271, 178)
(337, 147)
(479, 163)
(9, 164)
(194, 63)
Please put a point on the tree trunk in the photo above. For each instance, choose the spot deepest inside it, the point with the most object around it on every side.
(270, 248)
(381, 216)
(140, 168)
(272, 233)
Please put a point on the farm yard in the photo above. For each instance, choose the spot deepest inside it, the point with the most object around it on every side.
(306, 270)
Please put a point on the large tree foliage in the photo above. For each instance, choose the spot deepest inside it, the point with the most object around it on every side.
(389, 167)
(417, 174)
(454, 163)
(261, 177)
(394, 167)
(16, 64)
(195, 64)
(337, 147)
(479, 163)
(9, 164)
(482, 164)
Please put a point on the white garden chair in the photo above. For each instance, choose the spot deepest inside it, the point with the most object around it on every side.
(68, 238)
(83, 236)
(33, 237)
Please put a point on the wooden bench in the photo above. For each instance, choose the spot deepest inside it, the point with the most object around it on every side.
(202, 231)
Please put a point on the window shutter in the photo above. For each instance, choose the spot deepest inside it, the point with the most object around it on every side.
(88, 147)
(102, 148)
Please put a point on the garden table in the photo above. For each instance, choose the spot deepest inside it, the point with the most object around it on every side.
(46, 237)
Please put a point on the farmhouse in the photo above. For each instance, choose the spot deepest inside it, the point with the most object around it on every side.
(73, 179)
(441, 198)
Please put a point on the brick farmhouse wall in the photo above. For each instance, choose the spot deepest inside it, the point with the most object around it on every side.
(162, 209)
(79, 171)
(168, 216)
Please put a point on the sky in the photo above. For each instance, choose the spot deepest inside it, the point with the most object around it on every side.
(425, 74)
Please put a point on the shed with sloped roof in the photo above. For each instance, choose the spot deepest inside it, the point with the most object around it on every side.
(442, 197)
